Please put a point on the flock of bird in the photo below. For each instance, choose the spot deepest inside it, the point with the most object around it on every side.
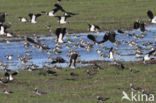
(72, 55)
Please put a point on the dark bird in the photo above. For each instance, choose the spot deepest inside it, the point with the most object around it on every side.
(58, 60)
(151, 16)
(108, 36)
(136, 24)
(2, 17)
(33, 17)
(72, 62)
(60, 32)
(10, 76)
(142, 27)
(120, 31)
(101, 99)
(50, 72)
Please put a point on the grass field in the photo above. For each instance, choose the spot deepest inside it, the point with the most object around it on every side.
(108, 14)
(109, 81)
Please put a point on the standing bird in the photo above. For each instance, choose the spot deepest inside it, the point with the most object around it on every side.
(72, 62)
(2, 17)
(111, 53)
(33, 17)
(151, 16)
(93, 28)
(60, 32)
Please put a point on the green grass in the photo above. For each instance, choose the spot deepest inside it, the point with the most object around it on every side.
(84, 89)
(109, 14)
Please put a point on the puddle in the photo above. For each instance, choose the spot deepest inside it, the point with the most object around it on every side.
(16, 47)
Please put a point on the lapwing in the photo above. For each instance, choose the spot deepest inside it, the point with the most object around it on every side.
(3, 28)
(33, 17)
(10, 76)
(93, 28)
(147, 56)
(60, 33)
(62, 19)
(23, 19)
(151, 16)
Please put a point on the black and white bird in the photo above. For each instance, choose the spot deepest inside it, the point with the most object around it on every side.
(111, 54)
(93, 28)
(23, 19)
(2, 17)
(10, 76)
(60, 33)
(147, 56)
(72, 61)
(62, 19)
(151, 16)
(3, 28)
(33, 17)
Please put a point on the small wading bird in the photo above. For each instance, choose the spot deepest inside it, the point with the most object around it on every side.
(38, 92)
(151, 16)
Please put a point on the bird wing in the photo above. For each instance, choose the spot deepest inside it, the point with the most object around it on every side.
(151, 52)
(91, 37)
(59, 7)
(150, 14)
(6, 74)
(30, 15)
(15, 73)
(37, 15)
